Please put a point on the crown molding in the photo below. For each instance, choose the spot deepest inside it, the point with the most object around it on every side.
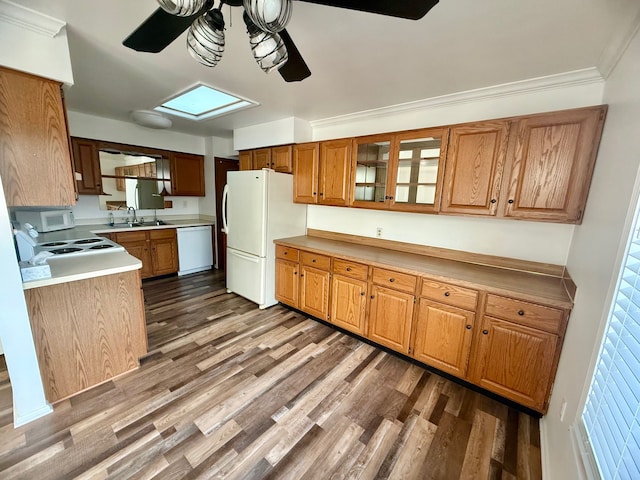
(28, 19)
(561, 80)
(620, 40)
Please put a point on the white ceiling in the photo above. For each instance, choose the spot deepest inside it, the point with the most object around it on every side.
(359, 61)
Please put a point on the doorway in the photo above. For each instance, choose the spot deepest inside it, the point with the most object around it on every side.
(222, 166)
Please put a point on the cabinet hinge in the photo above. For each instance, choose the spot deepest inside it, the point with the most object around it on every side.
(414, 300)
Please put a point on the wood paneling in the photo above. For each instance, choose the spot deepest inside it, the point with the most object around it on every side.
(348, 304)
(35, 156)
(86, 331)
(187, 175)
(308, 402)
(390, 314)
(305, 172)
(335, 172)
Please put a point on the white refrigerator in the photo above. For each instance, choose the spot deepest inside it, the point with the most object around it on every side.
(257, 208)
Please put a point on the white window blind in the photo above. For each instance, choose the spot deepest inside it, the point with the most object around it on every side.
(612, 412)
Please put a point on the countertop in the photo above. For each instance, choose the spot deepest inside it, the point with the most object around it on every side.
(534, 287)
(81, 267)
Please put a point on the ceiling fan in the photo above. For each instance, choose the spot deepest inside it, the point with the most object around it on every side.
(271, 45)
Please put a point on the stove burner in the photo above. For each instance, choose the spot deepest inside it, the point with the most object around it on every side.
(100, 247)
(53, 244)
(60, 251)
(87, 240)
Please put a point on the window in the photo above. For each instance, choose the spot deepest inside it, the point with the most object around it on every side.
(612, 412)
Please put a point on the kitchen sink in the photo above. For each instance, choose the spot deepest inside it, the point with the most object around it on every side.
(139, 224)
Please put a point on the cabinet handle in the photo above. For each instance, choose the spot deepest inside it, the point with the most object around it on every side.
(468, 327)
(295, 273)
(511, 201)
(348, 269)
(313, 261)
(314, 193)
(392, 279)
(390, 197)
(485, 332)
(301, 275)
(521, 312)
(362, 294)
(446, 294)
(286, 253)
(493, 200)
(372, 297)
(321, 194)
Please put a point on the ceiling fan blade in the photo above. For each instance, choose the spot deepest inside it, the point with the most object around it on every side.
(159, 30)
(409, 9)
(295, 69)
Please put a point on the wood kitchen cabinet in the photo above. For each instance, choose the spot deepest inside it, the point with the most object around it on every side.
(287, 278)
(314, 284)
(334, 172)
(305, 172)
(518, 350)
(474, 168)
(391, 309)
(35, 156)
(261, 158)
(550, 163)
(277, 158)
(86, 159)
(349, 296)
(87, 331)
(187, 174)
(157, 250)
(245, 160)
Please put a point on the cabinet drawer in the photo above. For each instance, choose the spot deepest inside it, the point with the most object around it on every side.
(315, 260)
(531, 314)
(450, 294)
(139, 236)
(350, 269)
(287, 253)
(162, 233)
(396, 280)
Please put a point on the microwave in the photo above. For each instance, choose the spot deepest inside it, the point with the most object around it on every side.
(46, 220)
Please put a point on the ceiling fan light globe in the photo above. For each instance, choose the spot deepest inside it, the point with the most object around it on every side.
(205, 39)
(270, 16)
(181, 8)
(269, 51)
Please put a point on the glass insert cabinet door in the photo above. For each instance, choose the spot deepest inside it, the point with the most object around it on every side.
(370, 167)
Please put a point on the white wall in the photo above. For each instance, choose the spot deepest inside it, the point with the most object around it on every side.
(594, 259)
(215, 147)
(279, 132)
(534, 241)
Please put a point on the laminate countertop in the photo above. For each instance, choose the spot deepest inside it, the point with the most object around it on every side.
(530, 286)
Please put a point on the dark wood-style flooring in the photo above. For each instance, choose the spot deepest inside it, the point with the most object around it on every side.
(229, 391)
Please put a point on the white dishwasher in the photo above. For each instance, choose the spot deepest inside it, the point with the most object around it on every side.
(195, 249)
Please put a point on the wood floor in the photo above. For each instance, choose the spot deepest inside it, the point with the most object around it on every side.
(232, 392)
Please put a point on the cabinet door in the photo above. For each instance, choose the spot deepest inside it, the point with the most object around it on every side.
(261, 158)
(305, 172)
(348, 303)
(417, 170)
(187, 174)
(140, 250)
(314, 292)
(390, 314)
(35, 158)
(335, 169)
(370, 167)
(473, 169)
(164, 251)
(281, 159)
(443, 337)
(246, 160)
(552, 158)
(86, 158)
(515, 361)
(287, 282)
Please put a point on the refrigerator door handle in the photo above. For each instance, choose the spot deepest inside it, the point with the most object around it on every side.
(225, 226)
(251, 258)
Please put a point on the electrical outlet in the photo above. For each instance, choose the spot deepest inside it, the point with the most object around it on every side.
(563, 409)
(379, 232)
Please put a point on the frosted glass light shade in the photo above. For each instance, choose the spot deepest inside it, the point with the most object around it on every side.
(269, 16)
(151, 119)
(205, 40)
(181, 8)
(269, 50)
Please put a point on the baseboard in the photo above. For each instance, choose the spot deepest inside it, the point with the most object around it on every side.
(544, 450)
(20, 420)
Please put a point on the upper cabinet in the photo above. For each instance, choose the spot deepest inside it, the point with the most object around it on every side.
(187, 174)
(305, 172)
(550, 163)
(474, 166)
(276, 158)
(35, 158)
(334, 172)
(86, 157)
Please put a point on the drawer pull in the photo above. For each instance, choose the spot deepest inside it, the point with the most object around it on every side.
(286, 253)
(521, 312)
(468, 327)
(301, 275)
(446, 294)
(313, 261)
(372, 297)
(392, 279)
(295, 273)
(485, 332)
(362, 294)
(348, 269)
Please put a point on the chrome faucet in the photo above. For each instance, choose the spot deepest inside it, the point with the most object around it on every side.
(134, 219)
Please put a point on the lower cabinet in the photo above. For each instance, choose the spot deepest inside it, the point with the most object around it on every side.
(314, 284)
(87, 331)
(287, 282)
(348, 303)
(390, 314)
(156, 249)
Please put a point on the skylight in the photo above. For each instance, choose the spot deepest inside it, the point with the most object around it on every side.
(202, 102)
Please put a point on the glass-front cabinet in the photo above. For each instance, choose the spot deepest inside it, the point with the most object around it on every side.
(399, 171)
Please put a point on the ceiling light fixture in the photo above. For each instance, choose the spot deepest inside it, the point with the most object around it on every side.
(205, 40)
(151, 119)
(181, 8)
(270, 16)
(268, 48)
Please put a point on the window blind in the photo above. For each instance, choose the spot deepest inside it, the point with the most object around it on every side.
(611, 415)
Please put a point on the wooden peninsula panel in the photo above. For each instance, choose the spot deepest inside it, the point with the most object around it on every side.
(87, 331)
